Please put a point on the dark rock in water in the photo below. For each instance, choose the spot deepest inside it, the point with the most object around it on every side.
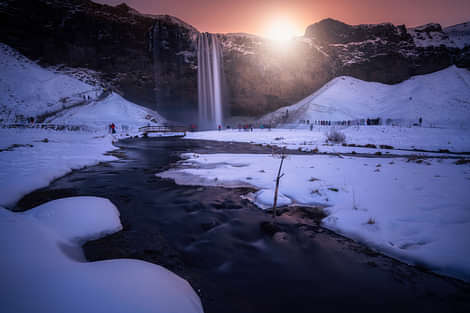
(462, 161)
(209, 225)
(270, 228)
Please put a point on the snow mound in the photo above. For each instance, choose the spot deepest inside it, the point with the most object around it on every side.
(440, 99)
(265, 199)
(43, 271)
(114, 109)
(79, 219)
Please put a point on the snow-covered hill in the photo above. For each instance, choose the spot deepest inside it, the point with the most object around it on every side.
(29, 90)
(440, 99)
(113, 109)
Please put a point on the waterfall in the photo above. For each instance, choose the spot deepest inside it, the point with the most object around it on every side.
(210, 81)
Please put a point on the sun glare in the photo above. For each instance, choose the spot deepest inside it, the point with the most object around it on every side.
(281, 29)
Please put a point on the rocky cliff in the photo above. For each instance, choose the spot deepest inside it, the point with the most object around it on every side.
(151, 60)
(148, 59)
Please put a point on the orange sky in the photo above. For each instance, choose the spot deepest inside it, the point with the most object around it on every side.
(255, 16)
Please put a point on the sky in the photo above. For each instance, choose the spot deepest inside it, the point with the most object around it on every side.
(268, 17)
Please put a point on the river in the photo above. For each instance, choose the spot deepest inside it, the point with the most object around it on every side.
(212, 237)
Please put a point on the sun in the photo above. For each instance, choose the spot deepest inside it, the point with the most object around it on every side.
(281, 29)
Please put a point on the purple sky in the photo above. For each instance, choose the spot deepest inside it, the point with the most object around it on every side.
(255, 16)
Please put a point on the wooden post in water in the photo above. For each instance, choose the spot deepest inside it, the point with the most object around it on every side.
(278, 178)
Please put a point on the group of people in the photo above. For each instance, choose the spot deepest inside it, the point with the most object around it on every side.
(369, 121)
(246, 127)
(250, 127)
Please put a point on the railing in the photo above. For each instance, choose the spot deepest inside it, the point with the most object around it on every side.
(48, 126)
(163, 129)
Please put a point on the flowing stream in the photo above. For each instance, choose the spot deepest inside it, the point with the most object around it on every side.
(213, 238)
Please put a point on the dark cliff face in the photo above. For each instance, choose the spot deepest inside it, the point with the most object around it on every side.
(139, 56)
(330, 31)
(152, 60)
(263, 75)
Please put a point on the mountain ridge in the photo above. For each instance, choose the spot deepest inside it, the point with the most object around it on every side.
(152, 60)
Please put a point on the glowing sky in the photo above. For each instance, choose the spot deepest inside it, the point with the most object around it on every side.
(258, 16)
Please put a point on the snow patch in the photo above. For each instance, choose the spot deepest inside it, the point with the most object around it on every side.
(44, 270)
(36, 162)
(264, 199)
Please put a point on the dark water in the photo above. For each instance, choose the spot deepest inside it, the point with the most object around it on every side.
(213, 238)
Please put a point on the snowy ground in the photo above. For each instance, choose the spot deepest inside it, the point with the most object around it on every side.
(43, 268)
(34, 163)
(432, 139)
(416, 211)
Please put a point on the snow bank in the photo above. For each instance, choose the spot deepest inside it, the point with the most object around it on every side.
(36, 163)
(440, 99)
(433, 139)
(415, 211)
(43, 268)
